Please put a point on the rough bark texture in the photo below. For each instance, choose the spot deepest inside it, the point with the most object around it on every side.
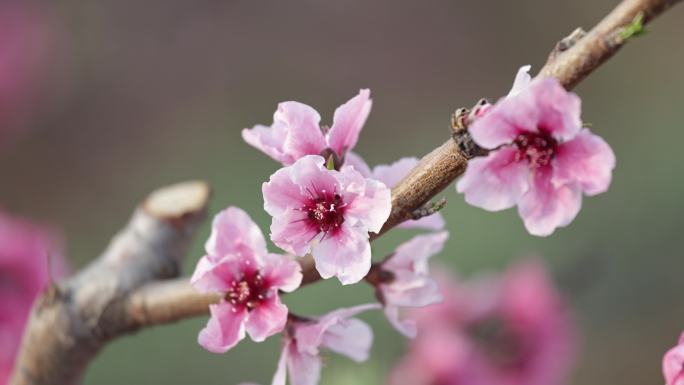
(129, 286)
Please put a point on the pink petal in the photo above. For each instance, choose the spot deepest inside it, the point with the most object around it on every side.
(292, 232)
(270, 140)
(224, 329)
(369, 201)
(495, 182)
(234, 233)
(303, 368)
(507, 119)
(282, 272)
(280, 376)
(266, 319)
(413, 254)
(348, 121)
(311, 175)
(559, 110)
(213, 277)
(349, 337)
(281, 193)
(407, 327)
(586, 159)
(304, 135)
(545, 207)
(345, 254)
(673, 362)
(354, 160)
(522, 80)
(393, 173)
(411, 290)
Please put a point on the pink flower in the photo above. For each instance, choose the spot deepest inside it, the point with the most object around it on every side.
(391, 175)
(326, 213)
(541, 158)
(510, 330)
(673, 364)
(29, 257)
(336, 331)
(296, 131)
(239, 267)
(403, 279)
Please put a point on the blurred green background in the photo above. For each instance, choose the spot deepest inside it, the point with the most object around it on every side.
(142, 94)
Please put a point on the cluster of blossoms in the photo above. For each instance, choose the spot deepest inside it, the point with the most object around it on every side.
(326, 201)
(24, 272)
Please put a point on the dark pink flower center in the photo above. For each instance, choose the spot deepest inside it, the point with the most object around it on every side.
(248, 291)
(505, 347)
(326, 212)
(538, 148)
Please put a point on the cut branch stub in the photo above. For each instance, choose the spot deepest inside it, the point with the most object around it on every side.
(73, 319)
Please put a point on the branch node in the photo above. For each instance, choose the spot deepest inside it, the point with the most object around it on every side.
(427, 209)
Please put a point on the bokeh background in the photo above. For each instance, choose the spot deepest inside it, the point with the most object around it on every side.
(134, 95)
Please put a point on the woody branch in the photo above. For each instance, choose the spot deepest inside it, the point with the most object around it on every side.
(134, 283)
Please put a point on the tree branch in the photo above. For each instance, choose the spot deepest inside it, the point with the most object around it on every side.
(128, 286)
(73, 319)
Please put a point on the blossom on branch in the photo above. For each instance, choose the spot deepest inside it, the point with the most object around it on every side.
(336, 331)
(29, 259)
(673, 364)
(508, 330)
(541, 158)
(391, 175)
(296, 131)
(327, 213)
(240, 268)
(403, 279)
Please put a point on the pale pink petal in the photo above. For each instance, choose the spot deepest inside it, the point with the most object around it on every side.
(345, 254)
(293, 233)
(368, 201)
(224, 329)
(312, 176)
(411, 290)
(522, 80)
(282, 193)
(303, 368)
(349, 337)
(405, 326)
(545, 206)
(393, 173)
(559, 110)
(282, 272)
(507, 119)
(587, 159)
(354, 160)
(495, 182)
(304, 135)
(234, 233)
(213, 276)
(266, 319)
(348, 121)
(673, 364)
(413, 254)
(270, 140)
(433, 222)
(280, 376)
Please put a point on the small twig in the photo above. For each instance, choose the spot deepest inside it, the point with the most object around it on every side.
(427, 209)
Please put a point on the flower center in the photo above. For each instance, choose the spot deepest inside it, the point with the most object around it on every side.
(326, 212)
(505, 347)
(248, 291)
(538, 148)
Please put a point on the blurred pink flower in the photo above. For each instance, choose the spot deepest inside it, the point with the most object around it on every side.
(541, 158)
(239, 267)
(25, 34)
(403, 279)
(327, 213)
(510, 330)
(296, 131)
(335, 331)
(673, 364)
(29, 257)
(391, 175)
